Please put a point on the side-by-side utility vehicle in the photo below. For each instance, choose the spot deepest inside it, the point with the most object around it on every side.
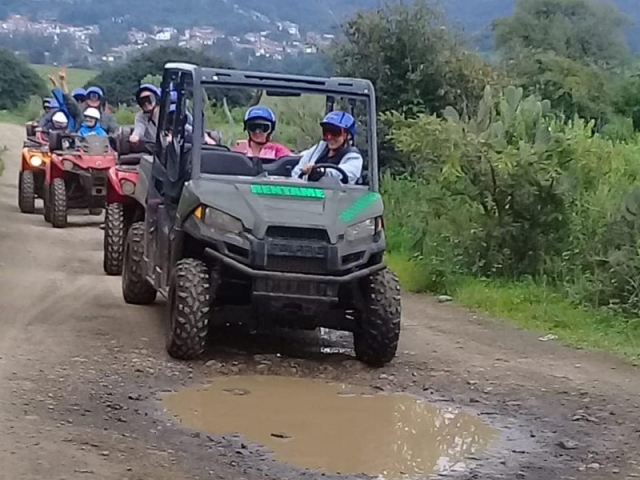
(221, 229)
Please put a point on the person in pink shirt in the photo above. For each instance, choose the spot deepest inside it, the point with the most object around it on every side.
(260, 123)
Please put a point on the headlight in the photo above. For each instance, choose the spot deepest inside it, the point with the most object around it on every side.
(222, 221)
(67, 164)
(36, 161)
(128, 187)
(365, 229)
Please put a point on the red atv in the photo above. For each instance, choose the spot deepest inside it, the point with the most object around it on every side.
(76, 176)
(122, 208)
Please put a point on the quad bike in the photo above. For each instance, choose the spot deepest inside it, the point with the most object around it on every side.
(34, 158)
(121, 208)
(221, 230)
(76, 175)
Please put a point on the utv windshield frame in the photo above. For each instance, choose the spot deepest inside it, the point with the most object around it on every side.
(193, 79)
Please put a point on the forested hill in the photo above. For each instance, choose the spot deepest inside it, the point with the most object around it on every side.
(246, 15)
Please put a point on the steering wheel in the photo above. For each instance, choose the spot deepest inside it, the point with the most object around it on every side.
(344, 177)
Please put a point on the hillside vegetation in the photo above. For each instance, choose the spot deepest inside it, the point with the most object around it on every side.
(235, 16)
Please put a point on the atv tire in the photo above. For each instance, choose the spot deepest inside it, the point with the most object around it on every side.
(188, 309)
(376, 337)
(46, 201)
(26, 192)
(136, 289)
(114, 237)
(58, 203)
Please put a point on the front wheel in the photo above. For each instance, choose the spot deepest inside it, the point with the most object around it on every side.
(26, 192)
(136, 289)
(188, 309)
(46, 201)
(375, 339)
(58, 203)
(114, 232)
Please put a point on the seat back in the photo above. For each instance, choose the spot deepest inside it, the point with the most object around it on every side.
(281, 167)
(217, 161)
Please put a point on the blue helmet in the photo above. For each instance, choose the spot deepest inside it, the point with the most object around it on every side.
(96, 90)
(147, 87)
(79, 92)
(260, 112)
(341, 120)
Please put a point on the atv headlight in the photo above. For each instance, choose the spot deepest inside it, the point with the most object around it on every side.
(128, 187)
(365, 229)
(67, 164)
(36, 161)
(222, 221)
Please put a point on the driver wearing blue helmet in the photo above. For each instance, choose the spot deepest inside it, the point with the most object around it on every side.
(336, 148)
(94, 99)
(146, 121)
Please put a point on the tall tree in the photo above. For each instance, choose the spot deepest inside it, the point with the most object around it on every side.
(17, 81)
(414, 60)
(581, 30)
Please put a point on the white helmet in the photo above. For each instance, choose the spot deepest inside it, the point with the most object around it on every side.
(92, 113)
(59, 120)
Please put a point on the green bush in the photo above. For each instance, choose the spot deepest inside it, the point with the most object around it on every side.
(514, 192)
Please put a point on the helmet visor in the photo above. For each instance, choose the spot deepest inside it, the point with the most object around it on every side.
(262, 127)
(331, 131)
(94, 96)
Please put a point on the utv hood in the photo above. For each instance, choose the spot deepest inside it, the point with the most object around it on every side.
(284, 203)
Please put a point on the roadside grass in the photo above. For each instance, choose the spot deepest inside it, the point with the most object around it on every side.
(76, 77)
(533, 306)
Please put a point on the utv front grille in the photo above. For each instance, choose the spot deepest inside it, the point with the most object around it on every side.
(297, 265)
(295, 233)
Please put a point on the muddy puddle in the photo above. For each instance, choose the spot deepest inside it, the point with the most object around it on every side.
(334, 428)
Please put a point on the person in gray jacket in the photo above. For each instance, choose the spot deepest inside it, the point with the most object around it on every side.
(94, 98)
(146, 121)
(336, 147)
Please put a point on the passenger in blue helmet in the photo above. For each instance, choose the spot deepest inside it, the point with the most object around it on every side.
(146, 121)
(94, 99)
(50, 107)
(336, 148)
(260, 123)
(79, 95)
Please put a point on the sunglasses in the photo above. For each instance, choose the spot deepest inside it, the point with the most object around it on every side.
(329, 131)
(93, 96)
(80, 98)
(146, 100)
(259, 127)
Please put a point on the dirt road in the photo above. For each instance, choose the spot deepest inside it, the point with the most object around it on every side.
(80, 373)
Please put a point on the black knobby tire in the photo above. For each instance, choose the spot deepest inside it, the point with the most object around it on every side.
(136, 289)
(58, 203)
(114, 237)
(376, 337)
(47, 204)
(26, 192)
(188, 309)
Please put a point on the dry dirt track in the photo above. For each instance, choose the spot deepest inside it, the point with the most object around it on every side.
(80, 372)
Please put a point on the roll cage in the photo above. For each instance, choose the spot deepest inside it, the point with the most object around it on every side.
(189, 82)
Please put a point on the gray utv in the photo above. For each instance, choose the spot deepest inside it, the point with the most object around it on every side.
(221, 229)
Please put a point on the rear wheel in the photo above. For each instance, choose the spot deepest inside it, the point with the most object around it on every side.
(114, 233)
(26, 192)
(376, 337)
(58, 203)
(189, 309)
(136, 289)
